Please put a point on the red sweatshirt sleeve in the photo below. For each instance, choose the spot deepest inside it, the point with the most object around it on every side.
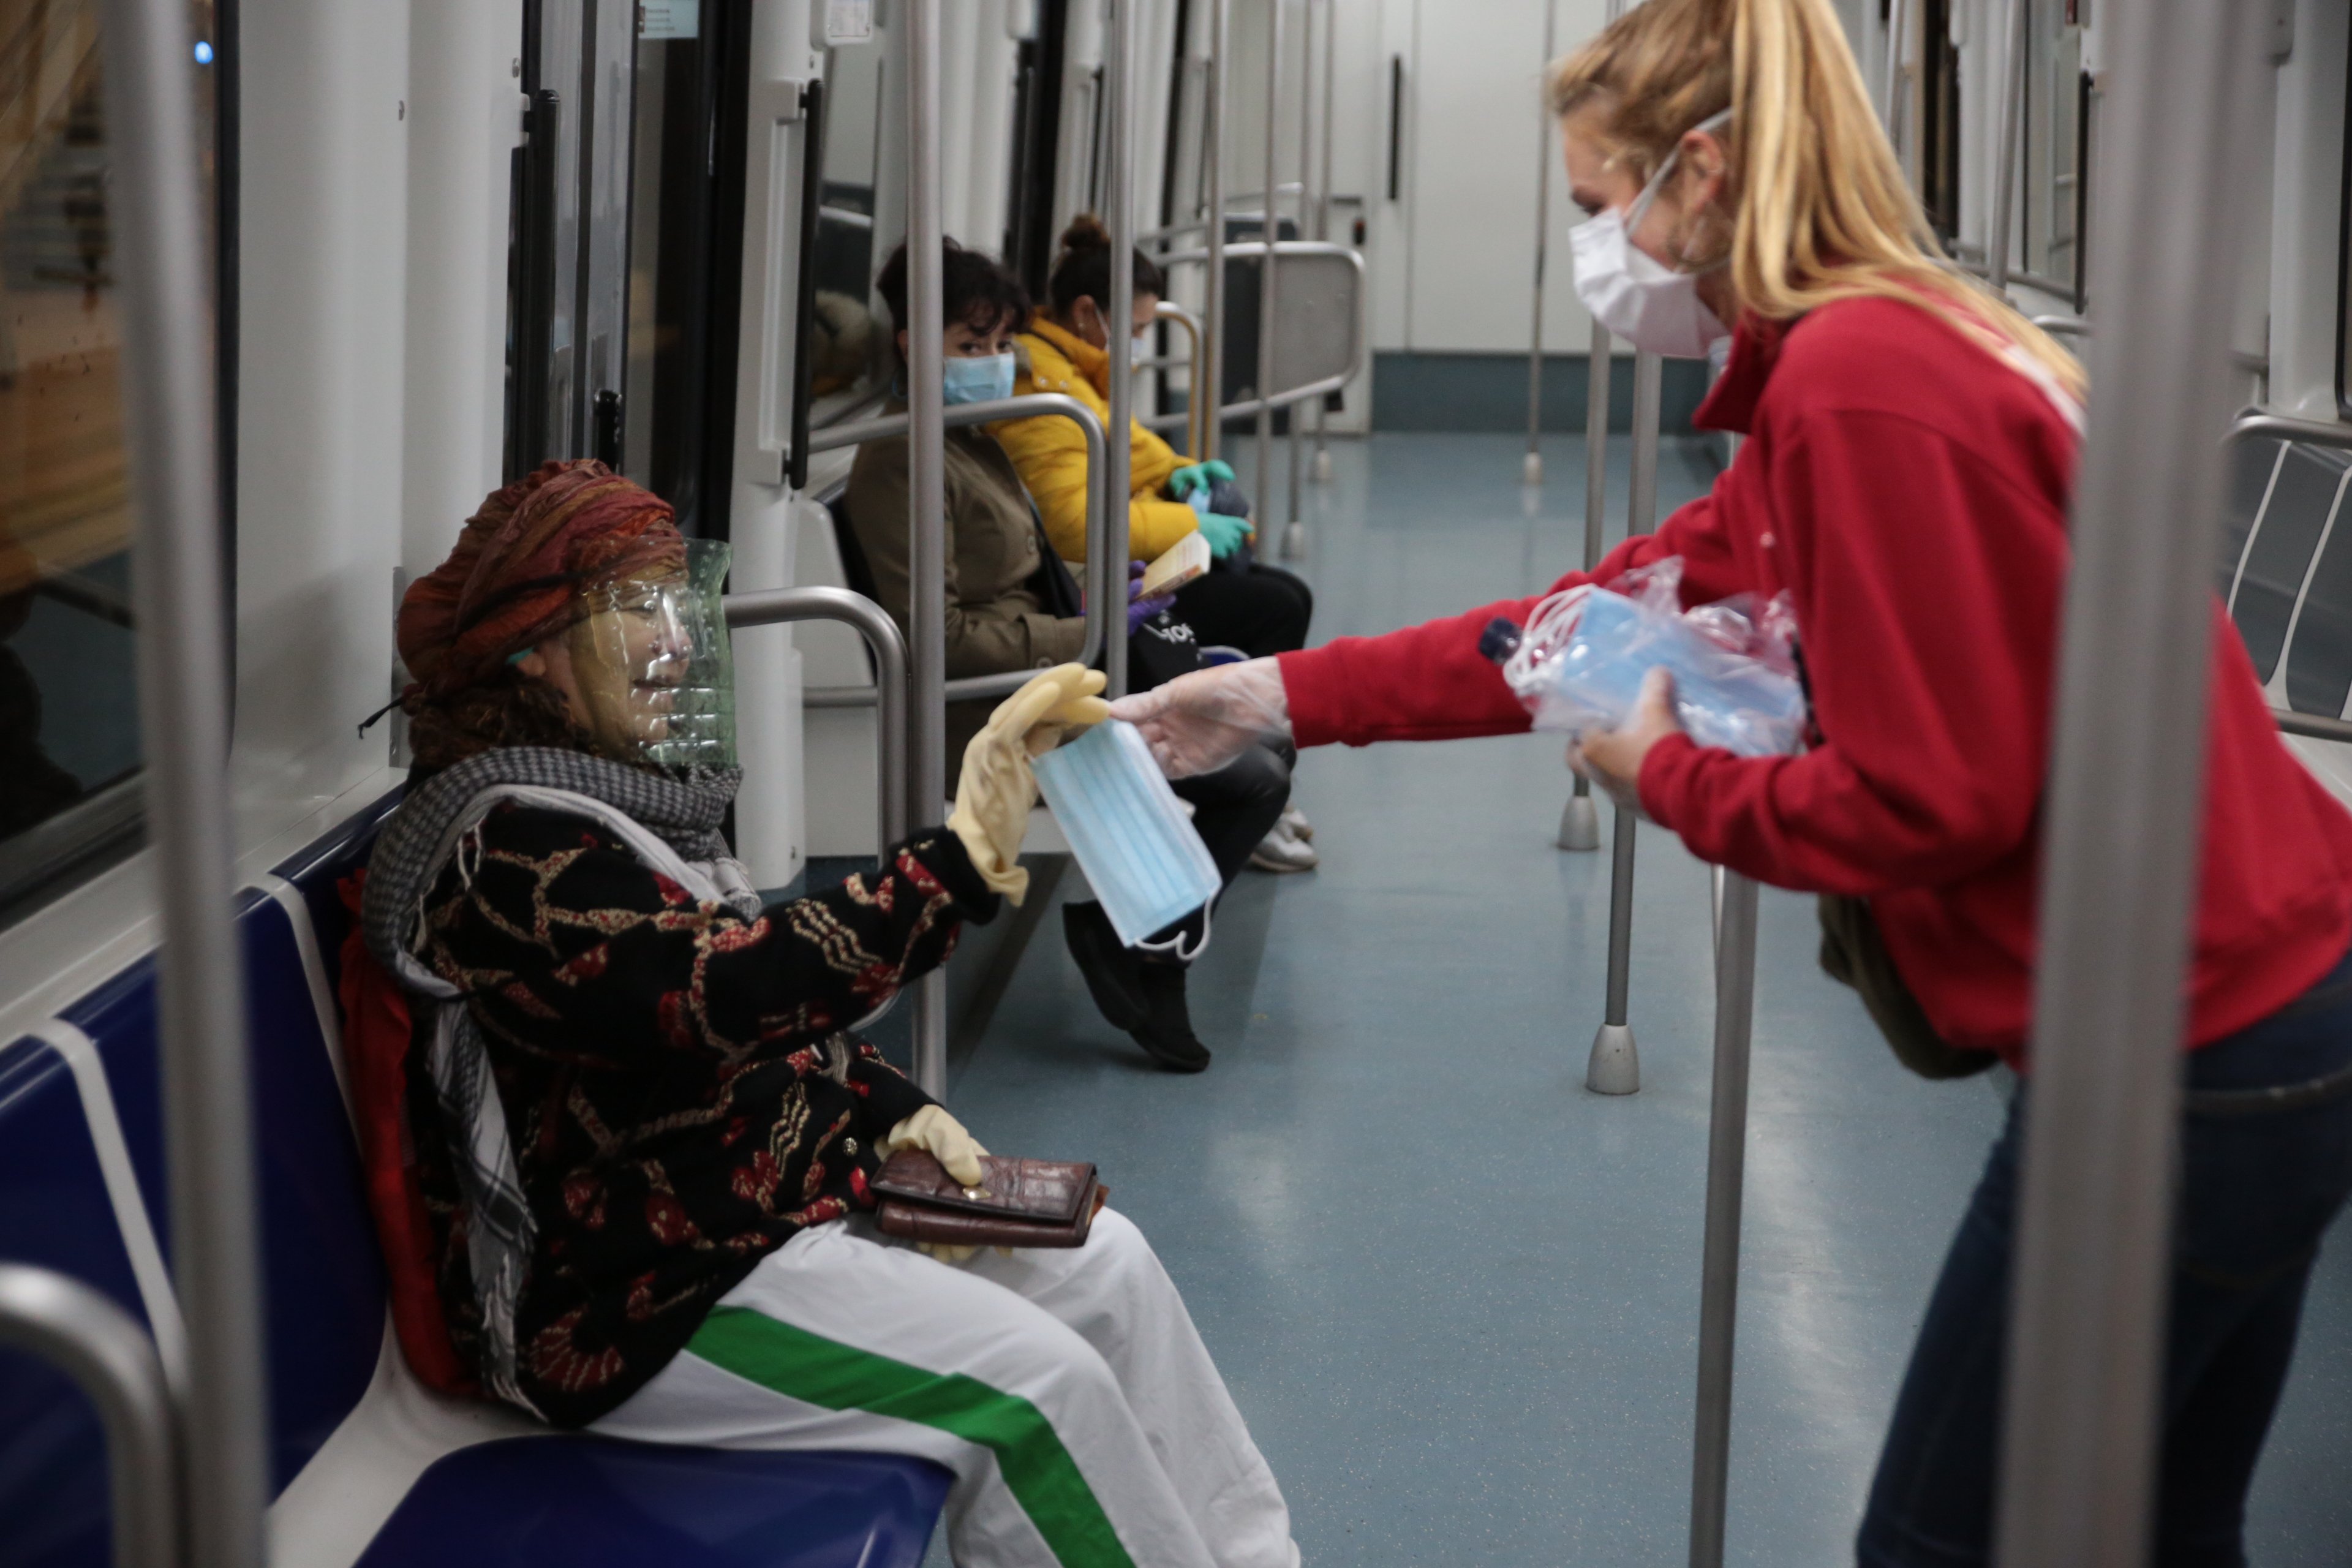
(1429, 682)
(1927, 587)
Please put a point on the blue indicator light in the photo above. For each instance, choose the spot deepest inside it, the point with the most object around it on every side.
(203, 53)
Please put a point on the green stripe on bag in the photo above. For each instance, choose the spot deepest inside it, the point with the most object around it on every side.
(1029, 1453)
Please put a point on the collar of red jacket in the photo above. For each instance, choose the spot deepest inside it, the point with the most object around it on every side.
(1730, 404)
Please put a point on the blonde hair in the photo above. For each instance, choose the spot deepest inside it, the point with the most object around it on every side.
(1822, 210)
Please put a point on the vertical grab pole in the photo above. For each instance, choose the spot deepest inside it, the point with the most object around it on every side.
(1615, 1066)
(1268, 290)
(1119, 449)
(184, 709)
(1580, 823)
(1208, 380)
(1727, 1161)
(1299, 411)
(2005, 171)
(2081, 1401)
(926, 492)
(1531, 466)
(1323, 207)
(1890, 112)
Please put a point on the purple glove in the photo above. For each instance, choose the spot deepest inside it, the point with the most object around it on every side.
(1142, 610)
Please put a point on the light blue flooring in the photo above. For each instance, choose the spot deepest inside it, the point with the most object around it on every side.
(1453, 1293)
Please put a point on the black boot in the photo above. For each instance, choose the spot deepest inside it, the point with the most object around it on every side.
(1166, 1031)
(1113, 970)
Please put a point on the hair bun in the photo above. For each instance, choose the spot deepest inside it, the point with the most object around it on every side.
(1086, 233)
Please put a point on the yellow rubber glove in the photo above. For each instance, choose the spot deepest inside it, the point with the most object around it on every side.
(941, 1136)
(996, 789)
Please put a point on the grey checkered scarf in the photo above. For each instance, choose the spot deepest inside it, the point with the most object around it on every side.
(427, 832)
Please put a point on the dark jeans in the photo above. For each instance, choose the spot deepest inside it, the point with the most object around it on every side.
(1259, 609)
(2265, 1164)
(1233, 809)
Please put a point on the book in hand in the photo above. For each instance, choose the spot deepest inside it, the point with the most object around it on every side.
(1019, 1202)
(1186, 559)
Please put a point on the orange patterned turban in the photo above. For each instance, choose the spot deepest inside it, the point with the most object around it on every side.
(516, 576)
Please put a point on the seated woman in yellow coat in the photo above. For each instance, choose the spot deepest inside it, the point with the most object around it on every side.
(1241, 602)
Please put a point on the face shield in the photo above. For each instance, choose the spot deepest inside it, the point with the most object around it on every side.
(652, 668)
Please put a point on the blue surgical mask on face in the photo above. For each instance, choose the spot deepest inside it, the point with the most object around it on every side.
(981, 380)
(1130, 832)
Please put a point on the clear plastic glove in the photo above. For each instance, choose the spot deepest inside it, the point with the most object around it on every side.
(943, 1137)
(996, 788)
(1184, 481)
(1224, 533)
(1199, 723)
(1612, 759)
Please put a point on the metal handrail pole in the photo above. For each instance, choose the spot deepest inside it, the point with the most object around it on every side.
(1108, 586)
(1212, 294)
(184, 701)
(1269, 287)
(1615, 1066)
(1323, 205)
(926, 488)
(2005, 170)
(1196, 406)
(1297, 471)
(1898, 25)
(776, 606)
(2082, 1398)
(113, 1361)
(1118, 446)
(1531, 466)
(1580, 820)
(1727, 1160)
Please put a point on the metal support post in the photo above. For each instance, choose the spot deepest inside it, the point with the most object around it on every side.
(111, 1359)
(1269, 300)
(1580, 823)
(1299, 412)
(1615, 1067)
(1119, 185)
(1209, 378)
(2081, 1400)
(1727, 1160)
(926, 487)
(1531, 466)
(184, 709)
(2011, 99)
(1890, 112)
(1323, 205)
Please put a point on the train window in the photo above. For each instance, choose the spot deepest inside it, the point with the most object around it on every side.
(848, 367)
(2048, 216)
(69, 746)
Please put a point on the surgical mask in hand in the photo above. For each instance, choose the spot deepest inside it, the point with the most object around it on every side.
(1129, 831)
(1634, 294)
(983, 380)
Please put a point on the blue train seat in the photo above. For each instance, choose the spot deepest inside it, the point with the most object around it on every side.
(542, 1499)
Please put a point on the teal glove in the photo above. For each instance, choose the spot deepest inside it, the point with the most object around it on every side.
(1224, 533)
(1181, 482)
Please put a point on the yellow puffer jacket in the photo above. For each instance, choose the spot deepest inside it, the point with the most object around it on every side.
(1052, 453)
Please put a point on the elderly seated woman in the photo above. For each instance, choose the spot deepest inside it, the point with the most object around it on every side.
(645, 1127)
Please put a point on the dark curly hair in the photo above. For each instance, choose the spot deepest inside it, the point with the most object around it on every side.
(974, 289)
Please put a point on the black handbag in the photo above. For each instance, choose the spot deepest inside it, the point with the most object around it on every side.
(1160, 650)
(1853, 953)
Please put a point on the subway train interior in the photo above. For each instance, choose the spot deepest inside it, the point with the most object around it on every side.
(1480, 1179)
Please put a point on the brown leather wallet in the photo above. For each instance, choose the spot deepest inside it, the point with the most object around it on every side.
(1019, 1202)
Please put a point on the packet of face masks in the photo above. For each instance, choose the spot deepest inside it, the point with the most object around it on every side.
(1579, 663)
(1129, 830)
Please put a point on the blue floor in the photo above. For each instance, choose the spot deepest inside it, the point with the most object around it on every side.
(1453, 1293)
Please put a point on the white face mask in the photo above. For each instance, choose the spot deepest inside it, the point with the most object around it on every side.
(1634, 294)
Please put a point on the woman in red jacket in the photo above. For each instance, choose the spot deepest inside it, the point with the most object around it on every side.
(1910, 454)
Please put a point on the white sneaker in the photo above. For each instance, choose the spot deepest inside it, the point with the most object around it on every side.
(1295, 821)
(1280, 851)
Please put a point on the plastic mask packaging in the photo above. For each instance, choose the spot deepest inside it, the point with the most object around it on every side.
(1634, 295)
(1581, 661)
(1129, 831)
(983, 380)
(654, 665)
